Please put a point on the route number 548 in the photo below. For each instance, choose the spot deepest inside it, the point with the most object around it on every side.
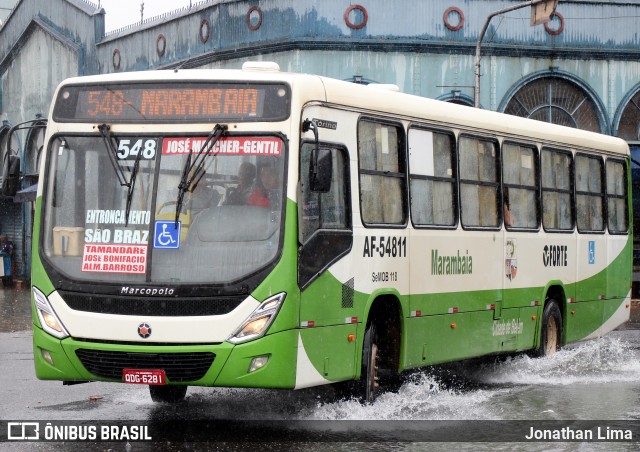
(129, 148)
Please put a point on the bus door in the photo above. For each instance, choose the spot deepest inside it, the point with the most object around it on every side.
(325, 277)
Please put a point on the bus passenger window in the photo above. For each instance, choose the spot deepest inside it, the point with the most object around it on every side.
(520, 187)
(479, 182)
(432, 178)
(589, 194)
(557, 212)
(382, 178)
(617, 197)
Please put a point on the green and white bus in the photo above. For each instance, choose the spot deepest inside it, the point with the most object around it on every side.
(254, 228)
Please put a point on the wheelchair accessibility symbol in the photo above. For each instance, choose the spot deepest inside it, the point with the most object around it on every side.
(592, 252)
(166, 235)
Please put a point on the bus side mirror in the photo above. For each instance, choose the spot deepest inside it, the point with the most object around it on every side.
(320, 171)
(321, 164)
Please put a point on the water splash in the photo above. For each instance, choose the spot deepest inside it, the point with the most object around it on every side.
(493, 389)
(604, 360)
(422, 396)
(577, 382)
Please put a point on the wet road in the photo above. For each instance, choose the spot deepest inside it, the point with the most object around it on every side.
(15, 309)
(595, 380)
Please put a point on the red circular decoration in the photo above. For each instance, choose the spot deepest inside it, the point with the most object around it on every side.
(205, 30)
(116, 59)
(460, 15)
(560, 28)
(254, 27)
(161, 45)
(365, 17)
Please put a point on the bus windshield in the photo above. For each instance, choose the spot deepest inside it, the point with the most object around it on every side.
(118, 218)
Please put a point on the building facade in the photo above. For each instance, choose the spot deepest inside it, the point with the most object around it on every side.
(581, 69)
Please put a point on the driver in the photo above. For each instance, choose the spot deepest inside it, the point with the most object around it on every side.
(246, 177)
(265, 193)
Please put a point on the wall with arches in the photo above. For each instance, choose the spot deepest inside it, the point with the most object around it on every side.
(586, 60)
(427, 48)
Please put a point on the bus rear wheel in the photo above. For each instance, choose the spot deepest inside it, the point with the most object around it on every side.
(551, 334)
(167, 394)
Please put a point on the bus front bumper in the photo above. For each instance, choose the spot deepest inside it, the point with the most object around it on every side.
(268, 362)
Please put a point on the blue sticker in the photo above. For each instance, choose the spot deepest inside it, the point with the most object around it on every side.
(166, 235)
(592, 252)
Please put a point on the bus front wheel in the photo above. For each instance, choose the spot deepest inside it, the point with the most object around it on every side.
(551, 334)
(167, 394)
(369, 386)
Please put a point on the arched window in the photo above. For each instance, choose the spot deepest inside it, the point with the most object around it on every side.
(628, 127)
(558, 100)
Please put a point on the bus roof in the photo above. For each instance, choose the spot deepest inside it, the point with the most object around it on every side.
(453, 115)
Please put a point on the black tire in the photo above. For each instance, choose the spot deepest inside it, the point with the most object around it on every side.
(167, 394)
(551, 333)
(369, 384)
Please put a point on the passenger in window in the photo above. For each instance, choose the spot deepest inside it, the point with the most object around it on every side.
(506, 208)
(265, 193)
(246, 178)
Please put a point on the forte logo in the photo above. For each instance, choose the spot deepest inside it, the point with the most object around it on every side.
(555, 256)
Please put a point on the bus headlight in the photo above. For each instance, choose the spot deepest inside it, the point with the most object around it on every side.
(258, 322)
(48, 318)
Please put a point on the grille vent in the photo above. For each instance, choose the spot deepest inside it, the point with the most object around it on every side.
(179, 367)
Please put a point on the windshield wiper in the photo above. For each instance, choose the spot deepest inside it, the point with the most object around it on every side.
(194, 169)
(105, 131)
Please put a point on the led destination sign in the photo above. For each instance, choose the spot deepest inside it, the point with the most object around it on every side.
(188, 102)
